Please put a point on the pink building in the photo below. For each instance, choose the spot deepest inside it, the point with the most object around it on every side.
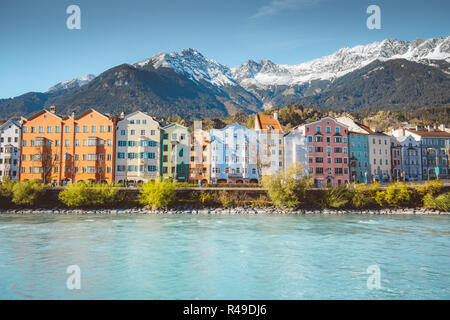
(327, 145)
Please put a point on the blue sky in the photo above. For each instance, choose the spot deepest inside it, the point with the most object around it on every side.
(37, 50)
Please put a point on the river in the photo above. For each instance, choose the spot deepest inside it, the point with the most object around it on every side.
(225, 257)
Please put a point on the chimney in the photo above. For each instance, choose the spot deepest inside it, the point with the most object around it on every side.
(73, 115)
(53, 109)
(122, 114)
(442, 127)
(275, 115)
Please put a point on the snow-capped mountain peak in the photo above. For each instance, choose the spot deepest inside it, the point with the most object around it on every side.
(193, 64)
(345, 60)
(73, 83)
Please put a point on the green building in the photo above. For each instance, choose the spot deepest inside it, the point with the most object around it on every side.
(359, 157)
(175, 152)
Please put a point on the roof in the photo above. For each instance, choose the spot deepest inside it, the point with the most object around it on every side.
(38, 113)
(267, 123)
(10, 121)
(426, 133)
(89, 111)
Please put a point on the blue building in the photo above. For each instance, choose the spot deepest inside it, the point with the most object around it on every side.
(234, 155)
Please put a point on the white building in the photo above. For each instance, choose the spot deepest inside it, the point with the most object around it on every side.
(295, 150)
(9, 150)
(138, 148)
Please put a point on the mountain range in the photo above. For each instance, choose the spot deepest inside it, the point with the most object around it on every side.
(390, 74)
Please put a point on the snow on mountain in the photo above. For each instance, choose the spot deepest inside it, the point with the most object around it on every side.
(266, 73)
(193, 64)
(74, 83)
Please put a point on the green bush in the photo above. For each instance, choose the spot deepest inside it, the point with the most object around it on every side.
(83, 195)
(206, 198)
(287, 189)
(396, 195)
(441, 202)
(363, 196)
(430, 187)
(157, 194)
(6, 188)
(27, 192)
(336, 197)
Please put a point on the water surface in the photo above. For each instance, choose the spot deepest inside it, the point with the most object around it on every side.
(224, 257)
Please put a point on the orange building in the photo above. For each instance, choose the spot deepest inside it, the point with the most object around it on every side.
(199, 161)
(60, 150)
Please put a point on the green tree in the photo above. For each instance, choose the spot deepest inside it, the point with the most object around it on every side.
(28, 192)
(157, 194)
(396, 195)
(287, 189)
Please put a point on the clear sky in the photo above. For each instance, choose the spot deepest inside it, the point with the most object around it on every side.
(37, 50)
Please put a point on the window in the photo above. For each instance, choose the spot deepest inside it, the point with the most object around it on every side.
(85, 129)
(142, 132)
(152, 132)
(328, 129)
(102, 128)
(310, 139)
(66, 143)
(77, 129)
(67, 128)
(41, 129)
(132, 132)
(49, 129)
(318, 128)
(337, 129)
(93, 128)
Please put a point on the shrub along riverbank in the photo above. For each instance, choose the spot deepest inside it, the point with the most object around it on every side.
(281, 192)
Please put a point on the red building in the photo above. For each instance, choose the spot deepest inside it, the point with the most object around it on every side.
(327, 146)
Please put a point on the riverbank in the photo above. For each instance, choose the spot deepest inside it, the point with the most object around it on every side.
(224, 211)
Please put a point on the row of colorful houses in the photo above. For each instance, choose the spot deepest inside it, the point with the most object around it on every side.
(134, 148)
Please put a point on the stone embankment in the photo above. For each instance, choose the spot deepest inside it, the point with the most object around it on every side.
(225, 211)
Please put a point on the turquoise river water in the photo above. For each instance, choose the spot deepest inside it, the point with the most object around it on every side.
(225, 257)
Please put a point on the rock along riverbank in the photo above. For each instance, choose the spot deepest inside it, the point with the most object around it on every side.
(222, 211)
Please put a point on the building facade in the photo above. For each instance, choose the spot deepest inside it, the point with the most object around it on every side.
(434, 145)
(270, 142)
(200, 155)
(234, 155)
(175, 152)
(9, 150)
(359, 157)
(380, 156)
(411, 158)
(138, 149)
(61, 150)
(295, 150)
(396, 160)
(328, 158)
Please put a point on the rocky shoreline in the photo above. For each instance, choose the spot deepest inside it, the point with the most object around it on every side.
(223, 211)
